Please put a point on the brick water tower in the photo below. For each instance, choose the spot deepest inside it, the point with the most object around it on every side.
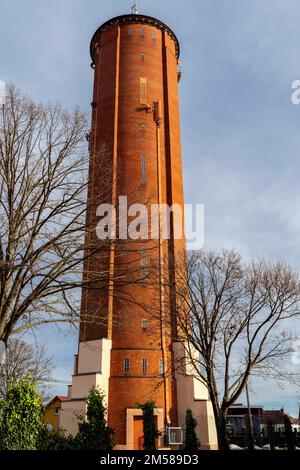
(135, 151)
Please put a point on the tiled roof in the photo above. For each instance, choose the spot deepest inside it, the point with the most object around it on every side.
(295, 420)
(275, 416)
(62, 397)
(58, 397)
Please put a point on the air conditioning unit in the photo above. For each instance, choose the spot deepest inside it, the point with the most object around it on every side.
(174, 436)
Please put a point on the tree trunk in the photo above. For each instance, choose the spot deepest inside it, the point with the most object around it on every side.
(220, 421)
(250, 437)
(271, 435)
(221, 431)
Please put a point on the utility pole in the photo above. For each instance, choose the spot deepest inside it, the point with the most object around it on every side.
(250, 421)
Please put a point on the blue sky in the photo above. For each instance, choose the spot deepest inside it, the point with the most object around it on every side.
(240, 130)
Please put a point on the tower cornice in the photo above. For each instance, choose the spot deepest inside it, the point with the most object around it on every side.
(134, 19)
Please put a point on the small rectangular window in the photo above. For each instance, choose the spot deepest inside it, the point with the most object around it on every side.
(144, 324)
(129, 32)
(161, 366)
(143, 57)
(144, 265)
(126, 365)
(143, 169)
(142, 32)
(143, 90)
(154, 35)
(145, 365)
(143, 127)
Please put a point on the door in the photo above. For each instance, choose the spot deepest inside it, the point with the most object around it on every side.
(138, 433)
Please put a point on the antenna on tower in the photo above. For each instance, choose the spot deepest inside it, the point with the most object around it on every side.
(134, 9)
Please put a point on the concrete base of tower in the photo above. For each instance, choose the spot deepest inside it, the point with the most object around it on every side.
(134, 430)
(91, 368)
(193, 394)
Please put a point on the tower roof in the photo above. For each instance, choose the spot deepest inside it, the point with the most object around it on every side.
(131, 19)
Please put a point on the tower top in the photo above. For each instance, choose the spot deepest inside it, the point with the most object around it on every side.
(134, 18)
(134, 9)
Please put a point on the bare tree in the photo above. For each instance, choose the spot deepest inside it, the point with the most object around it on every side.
(23, 359)
(47, 236)
(236, 317)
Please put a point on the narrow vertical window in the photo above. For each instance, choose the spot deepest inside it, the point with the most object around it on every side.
(142, 32)
(143, 57)
(154, 35)
(129, 32)
(144, 324)
(143, 127)
(145, 365)
(126, 365)
(143, 90)
(144, 265)
(143, 169)
(161, 366)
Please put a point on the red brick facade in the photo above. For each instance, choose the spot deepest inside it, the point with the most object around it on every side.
(127, 53)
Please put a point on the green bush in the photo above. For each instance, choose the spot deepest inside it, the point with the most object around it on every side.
(191, 441)
(289, 435)
(270, 430)
(55, 440)
(149, 428)
(21, 416)
(94, 433)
